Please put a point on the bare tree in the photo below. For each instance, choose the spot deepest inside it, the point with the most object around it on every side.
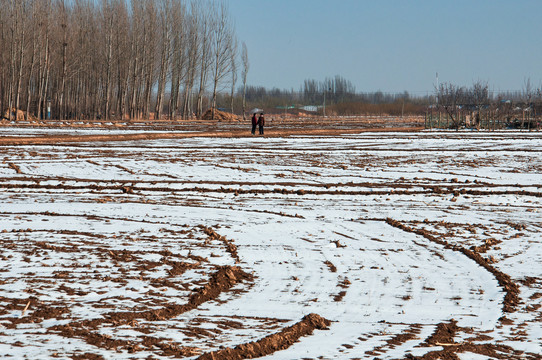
(3, 60)
(20, 28)
(205, 28)
(34, 41)
(179, 55)
(164, 29)
(527, 90)
(44, 58)
(13, 14)
(233, 68)
(122, 54)
(450, 98)
(150, 44)
(479, 97)
(136, 58)
(194, 54)
(479, 94)
(222, 40)
(108, 54)
(246, 66)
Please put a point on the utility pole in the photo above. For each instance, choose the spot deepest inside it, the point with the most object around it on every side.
(437, 89)
(325, 90)
(324, 103)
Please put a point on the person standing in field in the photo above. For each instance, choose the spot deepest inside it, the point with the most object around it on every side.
(254, 122)
(261, 123)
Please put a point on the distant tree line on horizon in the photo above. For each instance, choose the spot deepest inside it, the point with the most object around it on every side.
(336, 94)
(341, 98)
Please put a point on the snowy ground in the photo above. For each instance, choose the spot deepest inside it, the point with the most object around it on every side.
(350, 228)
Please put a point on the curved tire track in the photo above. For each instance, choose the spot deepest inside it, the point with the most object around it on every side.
(511, 289)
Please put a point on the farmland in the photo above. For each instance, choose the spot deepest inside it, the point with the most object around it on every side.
(324, 245)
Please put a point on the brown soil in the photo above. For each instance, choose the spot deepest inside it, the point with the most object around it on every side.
(18, 115)
(15, 167)
(410, 334)
(220, 116)
(271, 343)
(444, 334)
(271, 132)
(282, 121)
(230, 246)
(444, 337)
(222, 280)
(343, 284)
(330, 266)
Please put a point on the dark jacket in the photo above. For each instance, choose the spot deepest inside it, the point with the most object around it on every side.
(261, 120)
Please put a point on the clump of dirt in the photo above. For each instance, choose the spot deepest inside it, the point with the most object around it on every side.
(398, 340)
(444, 334)
(271, 343)
(18, 115)
(220, 116)
(344, 284)
(330, 265)
(339, 297)
(127, 189)
(488, 244)
(87, 356)
(230, 247)
(15, 167)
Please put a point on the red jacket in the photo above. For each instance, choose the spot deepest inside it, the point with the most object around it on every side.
(254, 120)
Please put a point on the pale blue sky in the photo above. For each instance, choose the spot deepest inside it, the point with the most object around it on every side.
(392, 45)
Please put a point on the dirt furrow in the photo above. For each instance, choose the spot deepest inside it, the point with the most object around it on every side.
(444, 336)
(272, 343)
(53, 140)
(134, 189)
(222, 280)
(230, 246)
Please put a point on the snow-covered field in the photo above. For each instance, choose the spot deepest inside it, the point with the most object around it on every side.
(393, 237)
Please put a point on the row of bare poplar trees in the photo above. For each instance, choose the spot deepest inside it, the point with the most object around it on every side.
(87, 59)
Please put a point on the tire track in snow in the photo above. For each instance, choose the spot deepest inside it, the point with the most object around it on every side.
(511, 299)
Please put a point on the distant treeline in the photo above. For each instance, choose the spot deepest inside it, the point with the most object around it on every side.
(337, 96)
(334, 96)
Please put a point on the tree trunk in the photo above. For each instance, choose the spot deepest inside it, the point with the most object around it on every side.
(29, 95)
(20, 73)
(109, 57)
(164, 63)
(64, 71)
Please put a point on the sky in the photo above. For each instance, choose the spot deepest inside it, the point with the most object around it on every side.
(392, 45)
